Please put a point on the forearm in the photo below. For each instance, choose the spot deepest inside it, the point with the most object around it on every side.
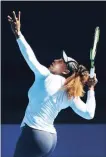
(25, 48)
(30, 57)
(85, 110)
(91, 102)
(16, 33)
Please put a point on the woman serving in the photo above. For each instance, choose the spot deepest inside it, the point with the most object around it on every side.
(55, 88)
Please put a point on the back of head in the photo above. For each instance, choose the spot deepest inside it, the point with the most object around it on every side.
(74, 84)
(77, 77)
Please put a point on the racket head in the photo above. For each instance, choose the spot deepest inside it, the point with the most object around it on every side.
(93, 50)
(97, 33)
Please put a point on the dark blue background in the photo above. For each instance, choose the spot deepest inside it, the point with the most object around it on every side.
(74, 140)
(50, 27)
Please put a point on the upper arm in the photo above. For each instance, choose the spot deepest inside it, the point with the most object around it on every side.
(80, 107)
(28, 54)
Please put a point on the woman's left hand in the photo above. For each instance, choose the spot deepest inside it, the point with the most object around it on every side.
(15, 23)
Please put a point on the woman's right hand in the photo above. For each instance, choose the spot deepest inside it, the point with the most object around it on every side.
(15, 23)
(92, 82)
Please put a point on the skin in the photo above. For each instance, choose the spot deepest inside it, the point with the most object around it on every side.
(58, 67)
(85, 78)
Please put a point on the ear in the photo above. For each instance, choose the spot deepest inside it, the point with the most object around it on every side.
(66, 72)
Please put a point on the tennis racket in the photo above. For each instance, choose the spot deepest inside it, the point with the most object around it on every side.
(93, 52)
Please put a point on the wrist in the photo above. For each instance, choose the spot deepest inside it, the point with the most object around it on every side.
(91, 88)
(17, 34)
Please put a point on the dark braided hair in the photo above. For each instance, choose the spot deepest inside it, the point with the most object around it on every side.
(75, 83)
(81, 70)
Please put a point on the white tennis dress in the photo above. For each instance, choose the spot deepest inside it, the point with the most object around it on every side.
(46, 99)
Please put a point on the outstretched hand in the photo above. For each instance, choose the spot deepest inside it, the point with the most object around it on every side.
(15, 23)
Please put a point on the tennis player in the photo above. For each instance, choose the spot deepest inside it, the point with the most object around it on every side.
(55, 88)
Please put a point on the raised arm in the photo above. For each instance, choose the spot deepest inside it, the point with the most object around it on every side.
(27, 52)
(85, 110)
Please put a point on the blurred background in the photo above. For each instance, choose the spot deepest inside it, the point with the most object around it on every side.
(49, 28)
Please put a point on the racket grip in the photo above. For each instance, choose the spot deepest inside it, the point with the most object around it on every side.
(92, 72)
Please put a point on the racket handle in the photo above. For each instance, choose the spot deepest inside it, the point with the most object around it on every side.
(92, 72)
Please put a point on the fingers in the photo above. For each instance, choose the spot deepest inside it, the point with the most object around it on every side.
(9, 19)
(19, 15)
(92, 82)
(96, 81)
(14, 15)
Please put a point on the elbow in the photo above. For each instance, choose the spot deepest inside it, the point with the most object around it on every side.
(91, 112)
(91, 115)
